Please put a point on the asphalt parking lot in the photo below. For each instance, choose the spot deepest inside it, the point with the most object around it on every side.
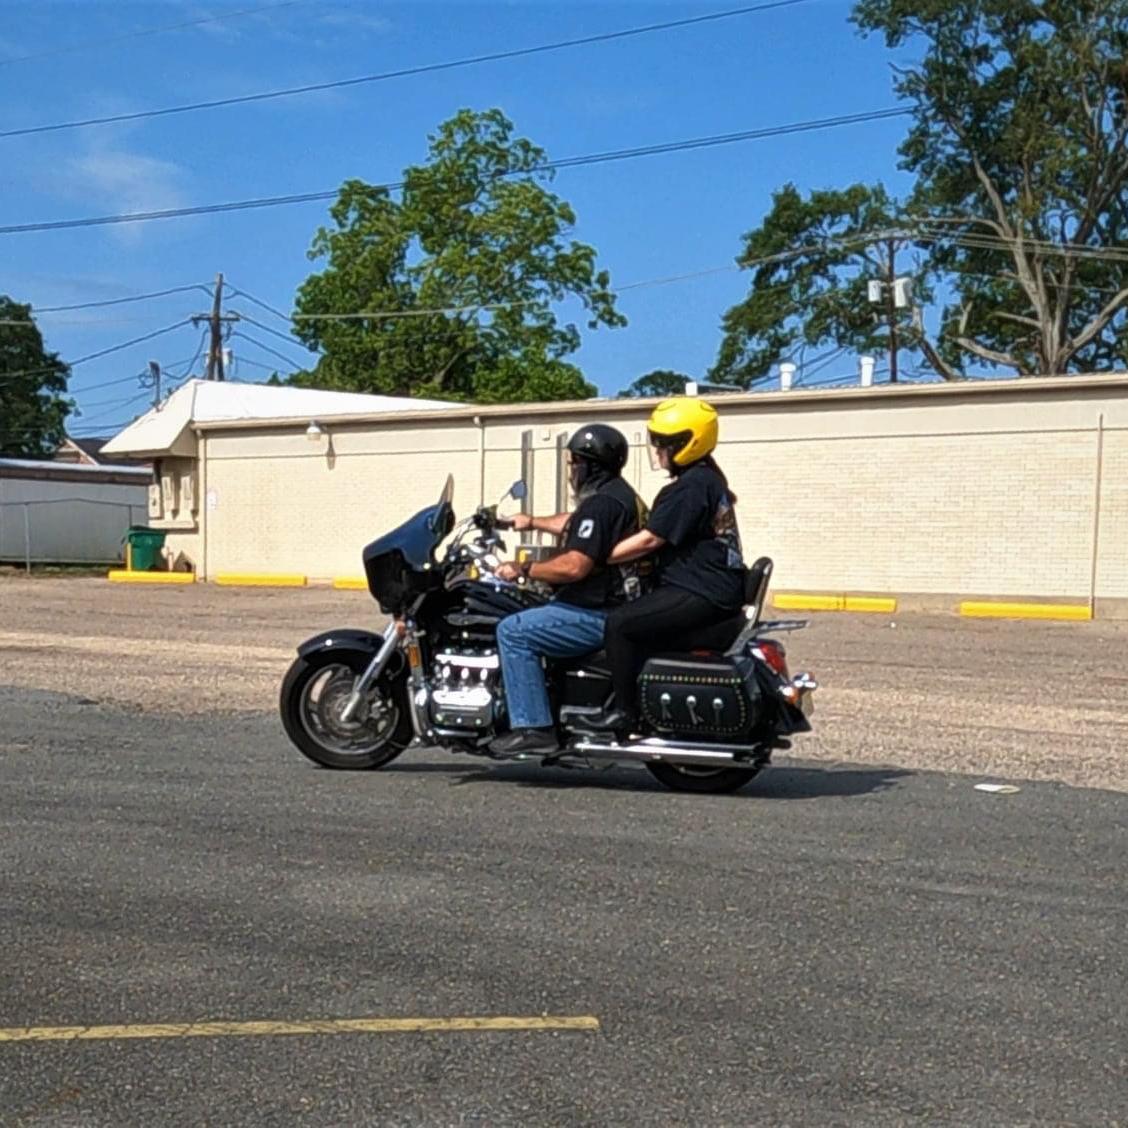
(860, 937)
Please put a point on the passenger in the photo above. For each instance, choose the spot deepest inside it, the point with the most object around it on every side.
(701, 572)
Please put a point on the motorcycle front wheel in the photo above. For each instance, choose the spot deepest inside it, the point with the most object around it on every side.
(313, 696)
(701, 781)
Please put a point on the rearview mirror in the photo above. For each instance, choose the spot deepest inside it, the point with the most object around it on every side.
(518, 490)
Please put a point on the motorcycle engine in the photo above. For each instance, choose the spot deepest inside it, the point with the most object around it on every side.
(465, 690)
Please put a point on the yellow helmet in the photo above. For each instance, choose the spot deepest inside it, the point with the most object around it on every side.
(686, 426)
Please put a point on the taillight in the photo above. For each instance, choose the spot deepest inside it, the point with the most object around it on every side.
(773, 656)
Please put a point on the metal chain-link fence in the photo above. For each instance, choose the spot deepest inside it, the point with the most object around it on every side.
(65, 530)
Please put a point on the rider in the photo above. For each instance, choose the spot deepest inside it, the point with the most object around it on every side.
(700, 568)
(573, 623)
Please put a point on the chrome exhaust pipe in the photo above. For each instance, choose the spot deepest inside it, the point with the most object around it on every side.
(656, 750)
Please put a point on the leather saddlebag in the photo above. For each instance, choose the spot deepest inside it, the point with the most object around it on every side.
(704, 698)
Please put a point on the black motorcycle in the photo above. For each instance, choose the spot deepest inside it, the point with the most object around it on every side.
(711, 715)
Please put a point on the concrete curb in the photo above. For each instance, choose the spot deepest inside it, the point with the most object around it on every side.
(350, 583)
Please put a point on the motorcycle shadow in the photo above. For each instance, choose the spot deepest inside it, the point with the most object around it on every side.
(783, 781)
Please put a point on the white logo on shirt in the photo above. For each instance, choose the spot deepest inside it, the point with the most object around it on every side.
(586, 528)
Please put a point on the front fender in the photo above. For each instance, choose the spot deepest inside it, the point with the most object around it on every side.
(344, 638)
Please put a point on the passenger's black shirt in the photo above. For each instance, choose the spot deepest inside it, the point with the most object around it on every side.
(694, 515)
(600, 521)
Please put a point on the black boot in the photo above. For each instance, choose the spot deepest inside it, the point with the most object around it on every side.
(607, 721)
(525, 742)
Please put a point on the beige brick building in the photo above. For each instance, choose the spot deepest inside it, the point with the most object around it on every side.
(1004, 489)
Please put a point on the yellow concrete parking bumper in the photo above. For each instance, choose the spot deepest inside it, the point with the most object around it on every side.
(1076, 612)
(809, 602)
(351, 583)
(123, 577)
(861, 604)
(259, 579)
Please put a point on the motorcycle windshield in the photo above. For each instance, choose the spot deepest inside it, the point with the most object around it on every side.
(418, 537)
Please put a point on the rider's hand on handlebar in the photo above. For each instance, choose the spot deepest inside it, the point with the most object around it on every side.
(521, 522)
(508, 571)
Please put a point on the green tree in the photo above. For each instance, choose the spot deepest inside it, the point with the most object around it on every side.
(474, 230)
(33, 383)
(1018, 144)
(1019, 208)
(660, 382)
(811, 261)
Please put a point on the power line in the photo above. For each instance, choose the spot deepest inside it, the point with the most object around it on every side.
(123, 301)
(266, 348)
(144, 32)
(192, 362)
(254, 364)
(978, 241)
(274, 332)
(114, 411)
(546, 166)
(5, 376)
(258, 301)
(175, 213)
(429, 68)
(116, 401)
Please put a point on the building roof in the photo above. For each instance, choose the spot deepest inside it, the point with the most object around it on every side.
(86, 452)
(876, 396)
(48, 470)
(169, 428)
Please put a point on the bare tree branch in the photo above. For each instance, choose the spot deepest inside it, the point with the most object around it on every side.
(992, 355)
(936, 361)
(1033, 322)
(1098, 323)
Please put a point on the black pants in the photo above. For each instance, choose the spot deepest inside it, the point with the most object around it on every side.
(655, 622)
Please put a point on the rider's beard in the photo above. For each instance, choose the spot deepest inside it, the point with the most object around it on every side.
(580, 476)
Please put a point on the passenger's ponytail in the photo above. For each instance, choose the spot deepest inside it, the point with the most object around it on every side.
(711, 462)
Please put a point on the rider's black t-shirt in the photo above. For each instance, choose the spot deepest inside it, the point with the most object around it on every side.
(600, 521)
(694, 515)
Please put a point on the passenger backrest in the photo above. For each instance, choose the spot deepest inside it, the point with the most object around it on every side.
(756, 587)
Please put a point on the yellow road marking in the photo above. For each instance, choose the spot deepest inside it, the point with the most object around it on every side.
(311, 1026)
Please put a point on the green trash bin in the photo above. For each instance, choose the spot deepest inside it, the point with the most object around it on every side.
(143, 548)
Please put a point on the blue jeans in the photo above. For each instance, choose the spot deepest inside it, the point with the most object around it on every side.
(557, 630)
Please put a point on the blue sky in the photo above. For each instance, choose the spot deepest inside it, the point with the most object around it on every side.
(649, 218)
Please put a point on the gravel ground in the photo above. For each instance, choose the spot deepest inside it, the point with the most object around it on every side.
(1044, 701)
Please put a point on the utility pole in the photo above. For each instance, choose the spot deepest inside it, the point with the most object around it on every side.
(155, 374)
(895, 294)
(216, 320)
(215, 349)
(891, 310)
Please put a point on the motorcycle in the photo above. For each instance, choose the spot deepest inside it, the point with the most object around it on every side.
(711, 715)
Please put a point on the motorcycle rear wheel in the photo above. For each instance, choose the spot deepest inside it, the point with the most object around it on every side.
(313, 694)
(701, 781)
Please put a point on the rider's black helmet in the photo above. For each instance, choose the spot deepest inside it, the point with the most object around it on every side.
(600, 444)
